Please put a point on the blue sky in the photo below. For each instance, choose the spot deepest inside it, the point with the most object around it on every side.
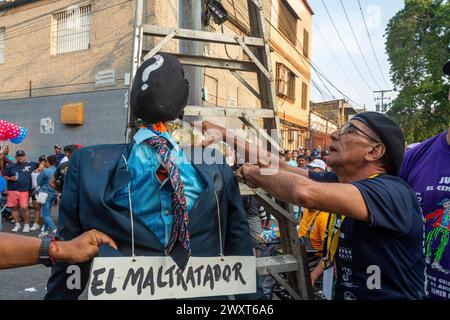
(377, 14)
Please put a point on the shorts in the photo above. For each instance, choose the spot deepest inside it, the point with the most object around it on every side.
(18, 198)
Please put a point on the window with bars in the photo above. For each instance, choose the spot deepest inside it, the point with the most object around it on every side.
(71, 30)
(285, 82)
(2, 45)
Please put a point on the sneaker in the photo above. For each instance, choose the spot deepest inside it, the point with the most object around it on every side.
(35, 227)
(16, 228)
(43, 234)
(26, 228)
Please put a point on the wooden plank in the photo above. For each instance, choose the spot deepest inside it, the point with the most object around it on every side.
(283, 263)
(286, 286)
(266, 88)
(273, 207)
(160, 45)
(246, 84)
(246, 190)
(227, 112)
(214, 63)
(204, 36)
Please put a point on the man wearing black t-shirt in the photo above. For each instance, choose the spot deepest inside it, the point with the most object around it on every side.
(374, 246)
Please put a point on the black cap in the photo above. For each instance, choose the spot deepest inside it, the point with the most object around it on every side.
(159, 91)
(42, 158)
(391, 136)
(20, 153)
(446, 68)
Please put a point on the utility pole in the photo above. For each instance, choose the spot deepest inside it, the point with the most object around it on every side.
(190, 17)
(382, 107)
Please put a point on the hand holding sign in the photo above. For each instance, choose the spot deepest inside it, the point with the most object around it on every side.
(81, 249)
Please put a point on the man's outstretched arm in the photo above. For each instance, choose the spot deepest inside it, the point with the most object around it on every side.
(289, 187)
(19, 251)
(263, 158)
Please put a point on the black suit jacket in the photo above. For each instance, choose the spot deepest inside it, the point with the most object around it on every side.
(96, 173)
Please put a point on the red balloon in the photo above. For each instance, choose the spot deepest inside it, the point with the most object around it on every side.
(8, 130)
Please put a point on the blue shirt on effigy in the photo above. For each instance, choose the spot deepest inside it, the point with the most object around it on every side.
(152, 199)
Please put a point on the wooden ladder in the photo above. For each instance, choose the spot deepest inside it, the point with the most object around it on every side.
(293, 262)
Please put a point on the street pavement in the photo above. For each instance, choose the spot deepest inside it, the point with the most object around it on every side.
(27, 283)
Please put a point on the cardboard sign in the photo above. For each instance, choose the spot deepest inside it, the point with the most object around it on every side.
(153, 278)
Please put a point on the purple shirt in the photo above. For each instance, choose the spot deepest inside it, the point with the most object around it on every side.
(427, 170)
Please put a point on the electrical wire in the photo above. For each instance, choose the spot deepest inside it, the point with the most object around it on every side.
(307, 60)
(359, 47)
(371, 44)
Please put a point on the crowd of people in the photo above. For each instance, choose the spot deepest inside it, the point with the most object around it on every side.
(35, 184)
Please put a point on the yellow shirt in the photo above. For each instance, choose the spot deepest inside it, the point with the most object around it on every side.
(317, 234)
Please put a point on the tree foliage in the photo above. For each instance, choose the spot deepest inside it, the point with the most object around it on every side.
(417, 45)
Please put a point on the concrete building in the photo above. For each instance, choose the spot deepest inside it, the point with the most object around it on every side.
(65, 67)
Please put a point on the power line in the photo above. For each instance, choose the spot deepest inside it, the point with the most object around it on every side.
(371, 44)
(357, 44)
(345, 47)
(325, 86)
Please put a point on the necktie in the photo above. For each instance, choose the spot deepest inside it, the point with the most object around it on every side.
(180, 232)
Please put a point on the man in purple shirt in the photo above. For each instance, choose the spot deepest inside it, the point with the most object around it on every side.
(426, 169)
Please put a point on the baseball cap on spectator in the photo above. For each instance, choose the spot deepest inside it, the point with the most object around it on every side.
(42, 158)
(20, 153)
(57, 146)
(317, 163)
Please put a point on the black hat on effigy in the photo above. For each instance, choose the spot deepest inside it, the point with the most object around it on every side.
(160, 90)
(391, 136)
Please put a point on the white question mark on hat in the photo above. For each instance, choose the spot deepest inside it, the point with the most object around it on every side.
(159, 61)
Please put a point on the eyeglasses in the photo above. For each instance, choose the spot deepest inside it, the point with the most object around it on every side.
(345, 129)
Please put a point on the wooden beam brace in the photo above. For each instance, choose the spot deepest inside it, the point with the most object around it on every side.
(160, 45)
(254, 58)
(203, 36)
(274, 208)
(280, 280)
